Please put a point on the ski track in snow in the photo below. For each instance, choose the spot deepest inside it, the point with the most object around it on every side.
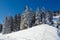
(40, 32)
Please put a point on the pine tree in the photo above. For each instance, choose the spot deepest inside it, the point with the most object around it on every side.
(33, 20)
(18, 21)
(4, 26)
(49, 17)
(9, 24)
(37, 17)
(23, 24)
(1, 27)
(30, 18)
(43, 15)
(15, 23)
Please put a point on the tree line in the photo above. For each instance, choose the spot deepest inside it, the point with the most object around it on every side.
(28, 19)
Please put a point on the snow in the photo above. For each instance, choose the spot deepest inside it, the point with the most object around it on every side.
(56, 18)
(40, 32)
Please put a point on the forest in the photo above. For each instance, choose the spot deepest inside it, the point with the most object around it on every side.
(28, 19)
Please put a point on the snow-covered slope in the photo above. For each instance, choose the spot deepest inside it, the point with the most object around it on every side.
(40, 32)
(55, 18)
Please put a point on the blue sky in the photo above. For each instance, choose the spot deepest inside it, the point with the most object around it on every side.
(13, 7)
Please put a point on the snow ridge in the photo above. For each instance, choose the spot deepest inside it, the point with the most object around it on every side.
(40, 32)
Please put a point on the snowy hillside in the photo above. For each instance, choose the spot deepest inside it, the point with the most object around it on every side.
(56, 18)
(40, 32)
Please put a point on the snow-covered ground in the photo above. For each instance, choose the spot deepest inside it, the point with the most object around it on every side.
(56, 18)
(40, 32)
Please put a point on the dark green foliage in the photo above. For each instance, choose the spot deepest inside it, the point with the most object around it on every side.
(1, 27)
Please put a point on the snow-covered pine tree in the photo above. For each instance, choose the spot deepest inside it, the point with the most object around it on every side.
(1, 27)
(15, 23)
(37, 17)
(9, 24)
(18, 21)
(49, 17)
(43, 15)
(30, 18)
(33, 20)
(4, 26)
(23, 24)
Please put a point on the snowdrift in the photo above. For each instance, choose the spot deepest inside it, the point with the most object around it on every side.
(40, 32)
(56, 18)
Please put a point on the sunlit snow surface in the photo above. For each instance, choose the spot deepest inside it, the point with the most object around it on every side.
(40, 32)
(55, 19)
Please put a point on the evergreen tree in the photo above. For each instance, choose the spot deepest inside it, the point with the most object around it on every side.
(23, 24)
(9, 24)
(29, 18)
(43, 18)
(37, 17)
(49, 17)
(1, 27)
(18, 21)
(32, 17)
(33, 20)
(4, 26)
(15, 23)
